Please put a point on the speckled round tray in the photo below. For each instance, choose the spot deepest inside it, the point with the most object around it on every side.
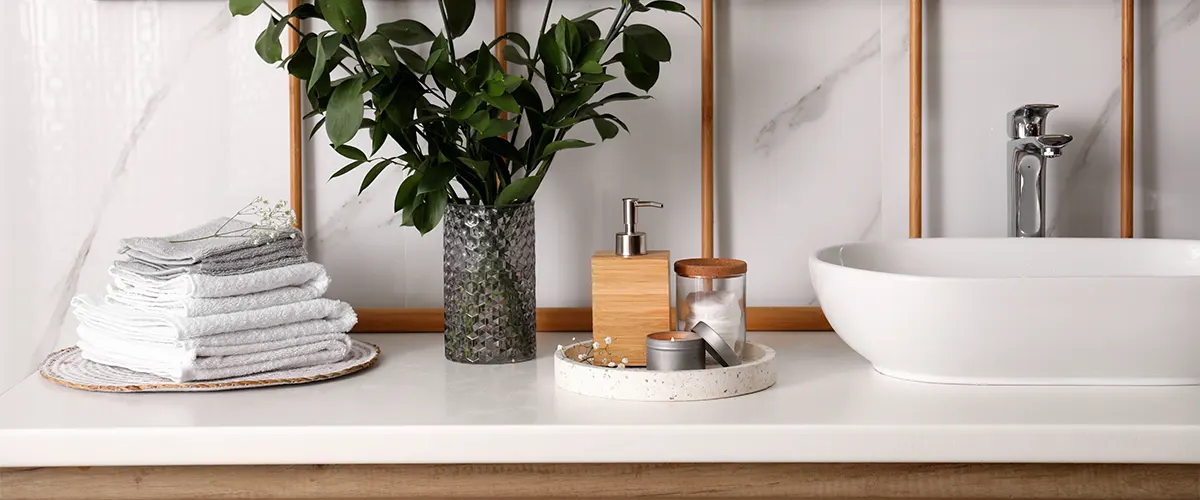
(67, 367)
(757, 372)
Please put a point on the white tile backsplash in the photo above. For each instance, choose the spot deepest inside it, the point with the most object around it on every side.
(142, 117)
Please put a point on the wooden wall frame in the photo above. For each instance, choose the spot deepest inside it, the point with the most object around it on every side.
(566, 319)
(915, 73)
(383, 320)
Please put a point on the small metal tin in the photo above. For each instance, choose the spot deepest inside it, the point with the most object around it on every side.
(674, 351)
(716, 346)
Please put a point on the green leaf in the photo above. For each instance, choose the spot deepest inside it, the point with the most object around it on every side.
(557, 146)
(407, 193)
(594, 52)
(375, 49)
(345, 112)
(459, 15)
(642, 72)
(243, 7)
(434, 57)
(479, 121)
(407, 218)
(606, 129)
(346, 169)
(449, 76)
(502, 148)
(672, 7)
(479, 165)
(316, 128)
(514, 37)
(429, 214)
(597, 78)
(436, 178)
(649, 42)
(505, 102)
(618, 97)
(591, 67)
(519, 191)
(511, 54)
(372, 174)
(347, 17)
(372, 82)
(305, 11)
(588, 31)
(268, 45)
(325, 47)
(406, 32)
(486, 64)
(512, 83)
(566, 34)
(464, 106)
(528, 97)
(378, 136)
(498, 127)
(554, 55)
(411, 59)
(589, 14)
(351, 152)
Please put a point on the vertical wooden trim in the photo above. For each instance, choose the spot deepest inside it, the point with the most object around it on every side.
(1127, 67)
(296, 160)
(501, 28)
(707, 93)
(915, 90)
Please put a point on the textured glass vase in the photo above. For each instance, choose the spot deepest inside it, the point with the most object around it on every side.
(489, 265)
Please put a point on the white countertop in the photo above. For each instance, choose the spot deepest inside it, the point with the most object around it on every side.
(415, 407)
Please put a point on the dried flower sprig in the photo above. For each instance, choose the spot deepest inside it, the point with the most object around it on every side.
(591, 352)
(269, 221)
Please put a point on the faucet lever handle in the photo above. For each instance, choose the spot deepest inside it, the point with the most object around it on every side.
(1028, 120)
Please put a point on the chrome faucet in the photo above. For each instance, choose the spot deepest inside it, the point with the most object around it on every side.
(1029, 148)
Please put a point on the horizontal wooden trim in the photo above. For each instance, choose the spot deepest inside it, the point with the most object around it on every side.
(844, 481)
(579, 319)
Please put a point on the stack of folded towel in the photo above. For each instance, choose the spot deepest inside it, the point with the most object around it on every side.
(190, 307)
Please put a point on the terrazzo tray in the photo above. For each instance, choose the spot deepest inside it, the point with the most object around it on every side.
(756, 373)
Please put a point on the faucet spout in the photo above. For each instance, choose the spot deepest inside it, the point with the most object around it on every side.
(1029, 149)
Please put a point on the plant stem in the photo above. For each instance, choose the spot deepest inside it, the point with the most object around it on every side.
(537, 50)
(612, 30)
(354, 50)
(446, 24)
(281, 17)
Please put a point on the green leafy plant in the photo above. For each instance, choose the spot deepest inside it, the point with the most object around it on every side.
(470, 132)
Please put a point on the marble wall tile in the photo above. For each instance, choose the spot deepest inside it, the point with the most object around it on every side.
(141, 117)
(122, 118)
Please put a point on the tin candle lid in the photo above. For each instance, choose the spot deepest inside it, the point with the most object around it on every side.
(710, 268)
(716, 346)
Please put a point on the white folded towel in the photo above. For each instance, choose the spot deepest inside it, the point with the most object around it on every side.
(208, 286)
(181, 368)
(139, 299)
(160, 327)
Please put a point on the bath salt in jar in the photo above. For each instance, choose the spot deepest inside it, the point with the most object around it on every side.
(712, 291)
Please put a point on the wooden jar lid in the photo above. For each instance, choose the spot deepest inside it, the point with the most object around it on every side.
(710, 268)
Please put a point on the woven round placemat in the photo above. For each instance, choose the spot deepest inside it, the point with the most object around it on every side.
(67, 367)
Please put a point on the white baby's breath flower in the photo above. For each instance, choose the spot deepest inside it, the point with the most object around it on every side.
(595, 345)
(620, 365)
(560, 347)
(607, 340)
(612, 365)
(624, 360)
(580, 357)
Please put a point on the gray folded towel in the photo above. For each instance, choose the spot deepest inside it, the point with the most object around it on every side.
(280, 257)
(241, 245)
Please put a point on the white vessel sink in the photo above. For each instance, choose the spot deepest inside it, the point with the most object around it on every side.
(1009, 311)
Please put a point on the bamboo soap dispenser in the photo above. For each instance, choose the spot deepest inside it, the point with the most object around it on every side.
(631, 293)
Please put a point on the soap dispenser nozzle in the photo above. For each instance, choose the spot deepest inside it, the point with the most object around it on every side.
(631, 242)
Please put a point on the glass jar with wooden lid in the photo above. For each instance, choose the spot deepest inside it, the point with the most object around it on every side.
(712, 291)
